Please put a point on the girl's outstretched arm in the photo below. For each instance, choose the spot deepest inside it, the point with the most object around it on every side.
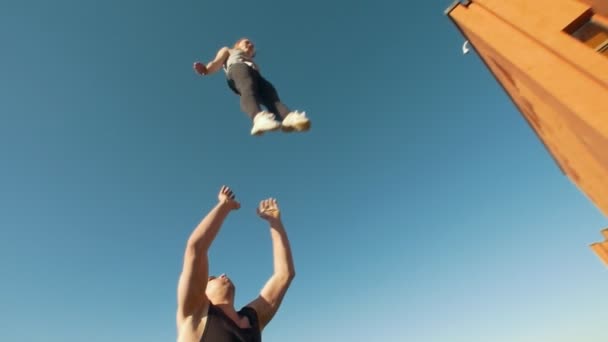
(214, 65)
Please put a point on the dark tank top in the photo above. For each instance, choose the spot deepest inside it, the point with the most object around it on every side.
(220, 328)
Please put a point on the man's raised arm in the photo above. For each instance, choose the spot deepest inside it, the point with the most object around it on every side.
(271, 296)
(193, 279)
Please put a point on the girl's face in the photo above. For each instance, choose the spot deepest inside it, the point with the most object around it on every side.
(247, 46)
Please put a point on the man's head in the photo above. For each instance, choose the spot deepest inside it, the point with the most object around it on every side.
(220, 290)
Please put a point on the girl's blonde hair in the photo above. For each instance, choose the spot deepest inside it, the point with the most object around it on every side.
(239, 41)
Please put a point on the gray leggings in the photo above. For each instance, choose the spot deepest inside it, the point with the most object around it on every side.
(254, 91)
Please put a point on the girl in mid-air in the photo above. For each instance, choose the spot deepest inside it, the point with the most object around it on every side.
(244, 78)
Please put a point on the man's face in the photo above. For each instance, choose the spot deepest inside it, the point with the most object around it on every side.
(220, 288)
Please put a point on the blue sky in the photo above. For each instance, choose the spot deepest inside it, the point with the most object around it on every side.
(420, 207)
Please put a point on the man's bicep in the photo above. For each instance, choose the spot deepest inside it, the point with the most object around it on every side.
(192, 283)
(263, 311)
(268, 302)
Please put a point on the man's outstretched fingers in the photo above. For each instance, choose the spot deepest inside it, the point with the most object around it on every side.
(228, 192)
(226, 195)
(261, 208)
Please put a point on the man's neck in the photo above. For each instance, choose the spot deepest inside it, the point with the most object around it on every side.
(228, 310)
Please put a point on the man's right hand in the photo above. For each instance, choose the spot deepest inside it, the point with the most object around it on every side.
(226, 197)
(200, 68)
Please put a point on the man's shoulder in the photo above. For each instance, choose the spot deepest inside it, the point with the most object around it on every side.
(250, 312)
(197, 319)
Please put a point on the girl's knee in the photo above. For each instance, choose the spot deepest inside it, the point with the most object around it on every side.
(247, 90)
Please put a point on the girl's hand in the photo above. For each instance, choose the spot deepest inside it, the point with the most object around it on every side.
(200, 68)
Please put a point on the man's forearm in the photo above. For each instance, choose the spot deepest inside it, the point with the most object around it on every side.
(206, 231)
(281, 250)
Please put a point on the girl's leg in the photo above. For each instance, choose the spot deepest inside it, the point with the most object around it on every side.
(246, 81)
(291, 121)
(270, 98)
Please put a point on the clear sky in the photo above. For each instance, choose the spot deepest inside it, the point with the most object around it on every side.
(420, 207)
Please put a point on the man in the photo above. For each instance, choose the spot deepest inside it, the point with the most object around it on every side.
(205, 309)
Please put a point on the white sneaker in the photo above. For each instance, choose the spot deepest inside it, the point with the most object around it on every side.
(296, 121)
(264, 122)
